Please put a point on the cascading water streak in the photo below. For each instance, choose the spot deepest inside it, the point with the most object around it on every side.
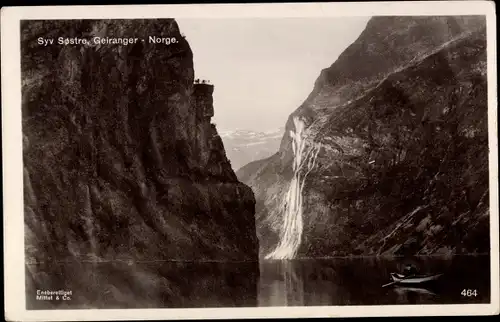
(303, 163)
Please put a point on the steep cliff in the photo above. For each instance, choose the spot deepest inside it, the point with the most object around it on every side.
(401, 123)
(120, 158)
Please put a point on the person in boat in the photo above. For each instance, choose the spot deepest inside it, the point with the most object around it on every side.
(409, 270)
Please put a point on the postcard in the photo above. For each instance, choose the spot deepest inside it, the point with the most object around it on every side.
(250, 161)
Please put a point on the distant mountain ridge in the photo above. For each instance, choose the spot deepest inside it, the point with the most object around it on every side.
(245, 146)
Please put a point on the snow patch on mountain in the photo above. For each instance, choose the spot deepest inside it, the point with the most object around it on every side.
(245, 146)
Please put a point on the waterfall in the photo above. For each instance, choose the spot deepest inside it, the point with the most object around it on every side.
(303, 162)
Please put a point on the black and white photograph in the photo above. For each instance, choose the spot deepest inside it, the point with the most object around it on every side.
(253, 162)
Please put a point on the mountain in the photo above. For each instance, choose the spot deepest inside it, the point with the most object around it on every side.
(389, 153)
(244, 146)
(121, 160)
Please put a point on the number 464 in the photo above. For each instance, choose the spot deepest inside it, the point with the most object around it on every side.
(469, 293)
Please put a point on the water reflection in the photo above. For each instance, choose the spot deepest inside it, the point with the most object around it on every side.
(270, 283)
(144, 285)
(345, 281)
(414, 295)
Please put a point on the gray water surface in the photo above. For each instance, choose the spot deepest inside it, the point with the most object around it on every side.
(338, 281)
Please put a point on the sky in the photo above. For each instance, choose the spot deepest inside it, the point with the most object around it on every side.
(264, 68)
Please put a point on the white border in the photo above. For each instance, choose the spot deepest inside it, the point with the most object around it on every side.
(12, 152)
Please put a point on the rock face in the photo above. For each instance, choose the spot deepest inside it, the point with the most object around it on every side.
(401, 122)
(121, 160)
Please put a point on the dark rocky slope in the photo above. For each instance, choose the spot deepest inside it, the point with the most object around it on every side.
(401, 117)
(121, 160)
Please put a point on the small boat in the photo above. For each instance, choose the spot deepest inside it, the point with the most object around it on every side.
(413, 279)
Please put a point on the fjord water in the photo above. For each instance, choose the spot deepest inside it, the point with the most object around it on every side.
(358, 281)
(338, 281)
